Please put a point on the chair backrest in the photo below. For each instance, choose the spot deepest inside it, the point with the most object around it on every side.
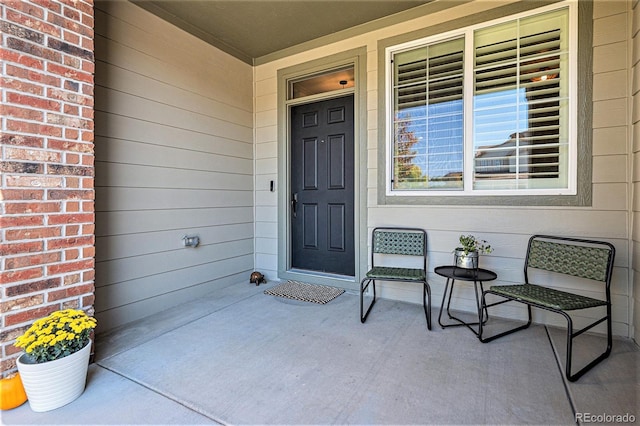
(399, 241)
(572, 256)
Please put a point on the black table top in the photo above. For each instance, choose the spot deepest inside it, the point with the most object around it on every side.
(464, 274)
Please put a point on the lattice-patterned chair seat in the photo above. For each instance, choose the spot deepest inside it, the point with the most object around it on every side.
(549, 297)
(397, 242)
(390, 273)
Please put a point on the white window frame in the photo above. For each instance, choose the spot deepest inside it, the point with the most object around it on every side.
(467, 33)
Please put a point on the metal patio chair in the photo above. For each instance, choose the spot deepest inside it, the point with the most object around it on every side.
(568, 257)
(397, 242)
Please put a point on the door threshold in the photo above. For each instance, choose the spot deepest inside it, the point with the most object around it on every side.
(318, 274)
(323, 278)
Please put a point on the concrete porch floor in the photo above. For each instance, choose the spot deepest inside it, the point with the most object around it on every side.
(239, 356)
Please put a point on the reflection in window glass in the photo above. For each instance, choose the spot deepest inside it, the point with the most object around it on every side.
(520, 109)
(515, 135)
(428, 115)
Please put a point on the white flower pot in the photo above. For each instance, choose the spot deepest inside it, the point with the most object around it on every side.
(50, 385)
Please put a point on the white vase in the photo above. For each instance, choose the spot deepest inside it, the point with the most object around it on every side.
(52, 384)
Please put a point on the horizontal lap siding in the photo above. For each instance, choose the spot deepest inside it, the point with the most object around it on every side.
(635, 85)
(174, 156)
(266, 171)
(506, 228)
(509, 236)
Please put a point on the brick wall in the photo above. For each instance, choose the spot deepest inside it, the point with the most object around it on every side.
(47, 190)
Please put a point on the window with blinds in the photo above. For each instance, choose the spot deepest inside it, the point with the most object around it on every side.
(428, 117)
(520, 106)
(492, 119)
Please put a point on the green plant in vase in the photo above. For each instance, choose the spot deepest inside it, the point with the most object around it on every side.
(467, 253)
(469, 243)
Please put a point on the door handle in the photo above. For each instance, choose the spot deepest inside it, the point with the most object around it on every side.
(294, 204)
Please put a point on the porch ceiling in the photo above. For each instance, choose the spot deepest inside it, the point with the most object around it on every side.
(254, 29)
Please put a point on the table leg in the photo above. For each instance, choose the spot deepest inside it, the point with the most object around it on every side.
(483, 315)
(444, 297)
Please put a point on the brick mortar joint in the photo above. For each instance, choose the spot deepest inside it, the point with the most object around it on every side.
(72, 43)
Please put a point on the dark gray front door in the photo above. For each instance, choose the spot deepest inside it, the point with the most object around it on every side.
(322, 186)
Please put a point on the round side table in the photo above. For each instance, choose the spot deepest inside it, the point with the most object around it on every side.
(478, 276)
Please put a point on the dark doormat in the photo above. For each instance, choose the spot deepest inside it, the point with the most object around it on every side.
(296, 290)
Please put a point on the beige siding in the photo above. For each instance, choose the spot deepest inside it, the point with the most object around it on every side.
(634, 60)
(507, 228)
(611, 163)
(174, 156)
(266, 171)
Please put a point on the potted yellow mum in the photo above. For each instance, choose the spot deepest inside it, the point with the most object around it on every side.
(54, 366)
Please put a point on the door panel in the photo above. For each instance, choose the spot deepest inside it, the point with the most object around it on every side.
(337, 229)
(310, 226)
(310, 164)
(336, 162)
(322, 197)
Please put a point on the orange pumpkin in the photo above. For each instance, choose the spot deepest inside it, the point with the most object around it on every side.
(12, 392)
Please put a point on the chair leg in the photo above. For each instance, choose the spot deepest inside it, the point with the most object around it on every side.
(426, 303)
(363, 288)
(504, 333)
(571, 335)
